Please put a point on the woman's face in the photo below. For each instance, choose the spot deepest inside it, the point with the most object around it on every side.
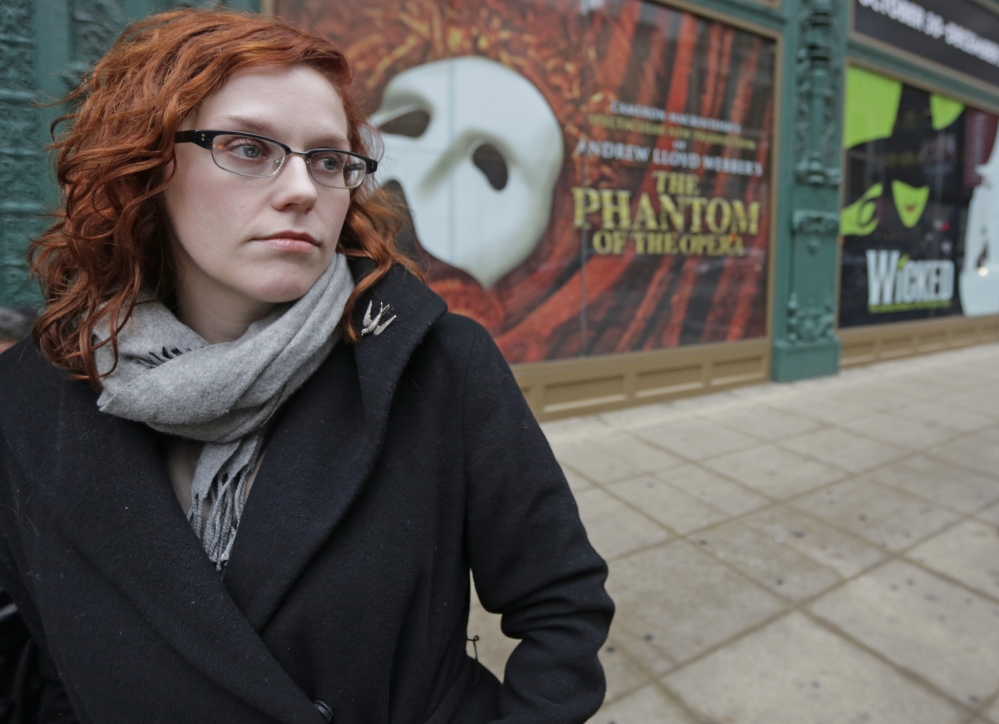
(261, 241)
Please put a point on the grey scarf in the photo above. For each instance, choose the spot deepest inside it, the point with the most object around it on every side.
(223, 394)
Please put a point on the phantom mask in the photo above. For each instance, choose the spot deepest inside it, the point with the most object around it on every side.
(476, 149)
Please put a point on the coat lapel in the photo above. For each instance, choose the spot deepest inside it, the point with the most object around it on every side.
(324, 448)
(110, 494)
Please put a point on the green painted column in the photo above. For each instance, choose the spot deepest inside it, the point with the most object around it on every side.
(45, 47)
(22, 175)
(805, 343)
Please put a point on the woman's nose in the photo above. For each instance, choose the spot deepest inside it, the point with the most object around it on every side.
(295, 183)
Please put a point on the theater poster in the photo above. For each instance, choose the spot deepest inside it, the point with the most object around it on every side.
(584, 176)
(919, 223)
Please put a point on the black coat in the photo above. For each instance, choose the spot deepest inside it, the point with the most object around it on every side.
(403, 462)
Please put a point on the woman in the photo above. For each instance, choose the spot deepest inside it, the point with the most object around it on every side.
(228, 325)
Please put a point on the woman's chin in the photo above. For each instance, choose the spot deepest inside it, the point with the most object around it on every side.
(285, 282)
(284, 289)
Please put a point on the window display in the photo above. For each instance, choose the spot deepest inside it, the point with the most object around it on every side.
(922, 174)
(583, 177)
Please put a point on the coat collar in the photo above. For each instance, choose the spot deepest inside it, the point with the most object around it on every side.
(109, 491)
(324, 447)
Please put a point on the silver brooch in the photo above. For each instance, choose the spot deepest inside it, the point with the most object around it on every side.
(376, 326)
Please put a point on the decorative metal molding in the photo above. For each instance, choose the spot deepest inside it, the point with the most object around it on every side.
(819, 87)
(94, 26)
(21, 169)
(810, 324)
(824, 223)
(810, 309)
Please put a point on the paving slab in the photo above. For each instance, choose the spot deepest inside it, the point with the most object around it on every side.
(901, 430)
(918, 387)
(943, 483)
(943, 632)
(720, 402)
(595, 462)
(989, 434)
(939, 384)
(645, 457)
(577, 483)
(820, 407)
(977, 452)
(886, 517)
(812, 500)
(782, 570)
(984, 400)
(695, 439)
(712, 489)
(990, 515)
(773, 471)
(846, 554)
(968, 552)
(643, 416)
(623, 676)
(645, 706)
(992, 711)
(614, 528)
(764, 423)
(951, 417)
(642, 649)
(943, 370)
(574, 429)
(683, 602)
(875, 395)
(842, 449)
(985, 368)
(794, 671)
(614, 457)
(678, 511)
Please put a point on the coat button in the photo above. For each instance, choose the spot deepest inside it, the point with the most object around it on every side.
(325, 710)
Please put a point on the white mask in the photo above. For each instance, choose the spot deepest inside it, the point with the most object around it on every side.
(979, 282)
(477, 150)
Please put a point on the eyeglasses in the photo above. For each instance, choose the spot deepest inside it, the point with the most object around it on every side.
(248, 154)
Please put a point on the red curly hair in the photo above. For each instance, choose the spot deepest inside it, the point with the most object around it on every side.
(110, 237)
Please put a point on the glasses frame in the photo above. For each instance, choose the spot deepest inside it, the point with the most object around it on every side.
(205, 139)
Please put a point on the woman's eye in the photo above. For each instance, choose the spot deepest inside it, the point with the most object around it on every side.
(247, 149)
(330, 163)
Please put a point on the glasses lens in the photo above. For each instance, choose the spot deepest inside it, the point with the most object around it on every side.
(247, 156)
(337, 170)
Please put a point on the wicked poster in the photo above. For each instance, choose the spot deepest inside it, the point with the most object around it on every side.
(583, 176)
(920, 234)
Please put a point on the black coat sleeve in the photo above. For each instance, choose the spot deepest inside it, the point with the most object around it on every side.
(30, 688)
(528, 551)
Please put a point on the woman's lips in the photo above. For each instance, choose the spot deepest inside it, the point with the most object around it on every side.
(298, 243)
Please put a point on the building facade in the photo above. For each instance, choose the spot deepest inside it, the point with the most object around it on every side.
(641, 200)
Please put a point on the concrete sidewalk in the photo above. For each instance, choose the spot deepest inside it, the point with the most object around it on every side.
(825, 552)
